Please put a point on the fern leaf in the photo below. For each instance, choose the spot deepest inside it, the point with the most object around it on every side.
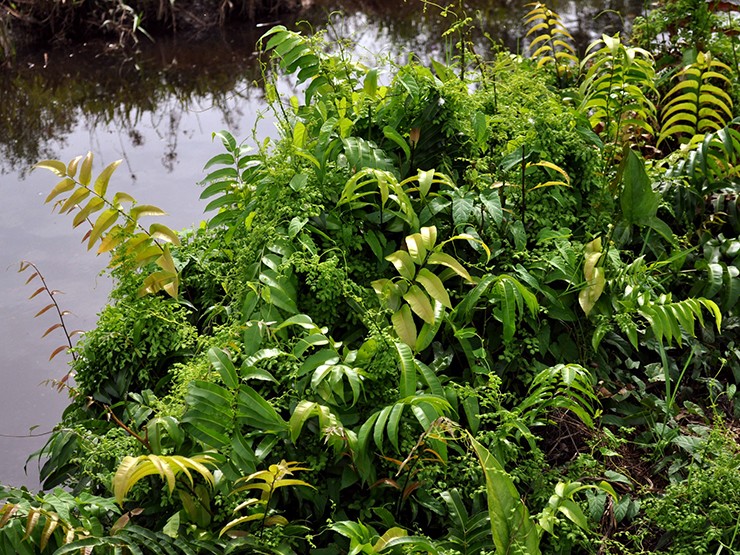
(133, 469)
(696, 105)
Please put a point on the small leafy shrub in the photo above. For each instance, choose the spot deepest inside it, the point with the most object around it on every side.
(707, 501)
(132, 348)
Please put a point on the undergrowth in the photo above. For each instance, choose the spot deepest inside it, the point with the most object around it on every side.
(488, 305)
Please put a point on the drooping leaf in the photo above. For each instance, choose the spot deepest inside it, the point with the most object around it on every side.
(446, 260)
(146, 210)
(404, 264)
(638, 200)
(404, 326)
(419, 303)
(594, 277)
(56, 166)
(164, 233)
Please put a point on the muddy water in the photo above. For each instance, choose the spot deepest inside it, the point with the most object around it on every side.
(156, 111)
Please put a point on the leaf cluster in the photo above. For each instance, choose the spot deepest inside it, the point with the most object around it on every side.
(406, 287)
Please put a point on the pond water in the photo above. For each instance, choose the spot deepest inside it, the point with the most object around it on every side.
(156, 111)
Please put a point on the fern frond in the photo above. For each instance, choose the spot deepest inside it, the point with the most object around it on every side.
(698, 102)
(617, 89)
(551, 43)
(709, 160)
(668, 319)
(133, 469)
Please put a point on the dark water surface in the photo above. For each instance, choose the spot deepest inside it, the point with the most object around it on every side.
(156, 110)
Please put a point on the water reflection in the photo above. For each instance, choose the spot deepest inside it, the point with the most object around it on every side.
(157, 110)
(50, 92)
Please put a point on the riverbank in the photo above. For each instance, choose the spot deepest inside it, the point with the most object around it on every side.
(32, 22)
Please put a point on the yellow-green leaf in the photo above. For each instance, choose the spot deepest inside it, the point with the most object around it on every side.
(146, 210)
(74, 199)
(390, 534)
(72, 166)
(160, 281)
(276, 520)
(56, 166)
(86, 169)
(120, 197)
(133, 469)
(165, 261)
(101, 183)
(446, 260)
(241, 520)
(404, 326)
(403, 263)
(160, 231)
(550, 165)
(66, 184)
(111, 240)
(429, 236)
(419, 303)
(595, 278)
(415, 246)
(104, 221)
(93, 205)
(434, 287)
(145, 253)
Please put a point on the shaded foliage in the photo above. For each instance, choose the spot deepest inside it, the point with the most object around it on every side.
(394, 298)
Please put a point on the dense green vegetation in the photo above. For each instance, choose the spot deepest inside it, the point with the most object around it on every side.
(486, 306)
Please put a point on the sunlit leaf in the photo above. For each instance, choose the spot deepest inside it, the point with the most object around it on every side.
(433, 286)
(419, 303)
(104, 221)
(74, 199)
(594, 276)
(93, 205)
(403, 263)
(111, 240)
(446, 260)
(56, 166)
(65, 185)
(404, 326)
(146, 210)
(86, 169)
(101, 183)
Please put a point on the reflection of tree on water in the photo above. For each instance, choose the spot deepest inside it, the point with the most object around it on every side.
(43, 105)
(45, 99)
